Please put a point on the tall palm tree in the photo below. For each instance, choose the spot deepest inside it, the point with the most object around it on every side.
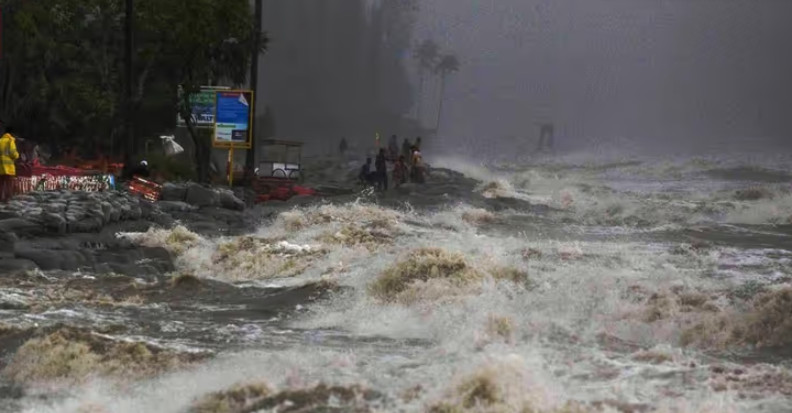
(426, 53)
(447, 65)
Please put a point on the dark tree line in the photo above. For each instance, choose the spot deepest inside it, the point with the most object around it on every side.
(337, 67)
(61, 73)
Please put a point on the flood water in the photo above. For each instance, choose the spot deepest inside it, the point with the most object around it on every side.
(620, 284)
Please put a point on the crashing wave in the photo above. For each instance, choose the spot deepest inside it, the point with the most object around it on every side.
(421, 271)
(765, 323)
(176, 240)
(72, 356)
(253, 397)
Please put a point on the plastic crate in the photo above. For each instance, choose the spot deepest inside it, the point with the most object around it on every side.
(148, 190)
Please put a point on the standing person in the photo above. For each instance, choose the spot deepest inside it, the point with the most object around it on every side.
(400, 172)
(418, 143)
(8, 155)
(343, 146)
(365, 173)
(406, 150)
(418, 168)
(381, 166)
(141, 170)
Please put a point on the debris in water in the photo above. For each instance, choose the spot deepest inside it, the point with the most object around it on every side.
(421, 266)
(71, 356)
(236, 399)
(258, 397)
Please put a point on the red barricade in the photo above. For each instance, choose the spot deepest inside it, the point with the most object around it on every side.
(23, 185)
(46, 182)
(148, 190)
(278, 189)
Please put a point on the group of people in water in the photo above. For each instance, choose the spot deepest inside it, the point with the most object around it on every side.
(408, 165)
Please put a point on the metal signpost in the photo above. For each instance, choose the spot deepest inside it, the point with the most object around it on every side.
(233, 121)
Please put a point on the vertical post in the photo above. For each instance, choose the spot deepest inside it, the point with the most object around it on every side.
(231, 166)
(128, 75)
(250, 161)
(1, 32)
(442, 100)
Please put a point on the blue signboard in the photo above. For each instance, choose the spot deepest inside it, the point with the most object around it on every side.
(233, 112)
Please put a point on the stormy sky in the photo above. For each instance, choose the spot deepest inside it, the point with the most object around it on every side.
(645, 71)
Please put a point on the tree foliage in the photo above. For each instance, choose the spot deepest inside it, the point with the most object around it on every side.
(427, 53)
(430, 58)
(447, 64)
(62, 70)
(214, 47)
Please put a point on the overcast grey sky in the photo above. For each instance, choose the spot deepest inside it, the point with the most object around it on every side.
(640, 69)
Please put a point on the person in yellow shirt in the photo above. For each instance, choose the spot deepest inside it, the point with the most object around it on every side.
(8, 155)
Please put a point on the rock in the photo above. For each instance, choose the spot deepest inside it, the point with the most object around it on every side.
(6, 214)
(162, 220)
(160, 259)
(135, 261)
(55, 260)
(229, 201)
(72, 218)
(126, 211)
(16, 265)
(173, 192)
(13, 303)
(206, 228)
(157, 254)
(176, 206)
(88, 224)
(55, 207)
(100, 214)
(220, 215)
(75, 260)
(123, 257)
(107, 209)
(103, 268)
(147, 209)
(20, 226)
(45, 259)
(25, 198)
(54, 222)
(115, 215)
(7, 242)
(200, 196)
(135, 213)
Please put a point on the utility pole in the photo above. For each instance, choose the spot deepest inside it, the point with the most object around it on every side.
(129, 132)
(254, 69)
(1, 32)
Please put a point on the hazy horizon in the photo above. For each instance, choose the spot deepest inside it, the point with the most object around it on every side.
(643, 72)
